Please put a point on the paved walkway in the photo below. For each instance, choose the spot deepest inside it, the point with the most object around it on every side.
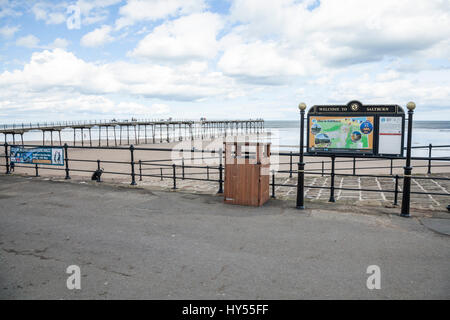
(382, 195)
(173, 245)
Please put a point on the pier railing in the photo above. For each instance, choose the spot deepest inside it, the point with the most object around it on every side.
(134, 164)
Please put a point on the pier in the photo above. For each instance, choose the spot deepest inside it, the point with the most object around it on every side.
(135, 131)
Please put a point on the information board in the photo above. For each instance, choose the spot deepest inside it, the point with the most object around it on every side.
(39, 155)
(341, 134)
(390, 135)
(355, 128)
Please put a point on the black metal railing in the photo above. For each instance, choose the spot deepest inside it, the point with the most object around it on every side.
(176, 169)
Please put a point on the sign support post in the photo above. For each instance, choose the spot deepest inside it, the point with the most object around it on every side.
(407, 168)
(301, 164)
(6, 158)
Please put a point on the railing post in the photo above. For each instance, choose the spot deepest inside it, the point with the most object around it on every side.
(133, 178)
(273, 184)
(161, 174)
(323, 168)
(332, 180)
(182, 168)
(220, 172)
(290, 165)
(174, 177)
(66, 158)
(140, 170)
(37, 171)
(396, 190)
(430, 146)
(354, 165)
(207, 172)
(98, 170)
(7, 158)
(392, 165)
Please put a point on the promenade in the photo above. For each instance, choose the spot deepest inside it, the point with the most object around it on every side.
(139, 243)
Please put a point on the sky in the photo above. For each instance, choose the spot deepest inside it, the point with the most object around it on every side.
(229, 59)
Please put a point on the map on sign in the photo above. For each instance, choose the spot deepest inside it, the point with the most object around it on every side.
(343, 134)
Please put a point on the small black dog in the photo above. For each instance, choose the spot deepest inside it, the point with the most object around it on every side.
(97, 174)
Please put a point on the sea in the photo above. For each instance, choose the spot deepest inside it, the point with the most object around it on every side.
(285, 136)
(424, 133)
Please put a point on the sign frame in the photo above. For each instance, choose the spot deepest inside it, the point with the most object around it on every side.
(355, 108)
(41, 149)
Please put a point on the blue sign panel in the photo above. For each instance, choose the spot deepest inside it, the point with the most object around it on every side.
(40, 155)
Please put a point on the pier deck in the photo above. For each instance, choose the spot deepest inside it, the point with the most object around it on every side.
(158, 130)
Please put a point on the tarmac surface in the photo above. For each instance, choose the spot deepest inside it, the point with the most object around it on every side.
(133, 243)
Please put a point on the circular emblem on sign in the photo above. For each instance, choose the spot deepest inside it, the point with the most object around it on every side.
(366, 127)
(354, 107)
(356, 136)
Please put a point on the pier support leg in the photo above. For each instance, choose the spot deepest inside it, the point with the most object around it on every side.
(115, 138)
(145, 133)
(167, 131)
(153, 132)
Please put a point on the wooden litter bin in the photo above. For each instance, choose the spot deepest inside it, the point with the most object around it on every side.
(247, 174)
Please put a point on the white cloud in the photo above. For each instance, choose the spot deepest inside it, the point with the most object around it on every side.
(8, 32)
(74, 104)
(32, 42)
(269, 52)
(151, 10)
(9, 9)
(140, 109)
(92, 11)
(334, 35)
(98, 37)
(29, 41)
(43, 74)
(261, 62)
(186, 38)
(51, 13)
(59, 43)
(430, 88)
(388, 76)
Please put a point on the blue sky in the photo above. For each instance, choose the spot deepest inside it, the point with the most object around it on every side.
(219, 59)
